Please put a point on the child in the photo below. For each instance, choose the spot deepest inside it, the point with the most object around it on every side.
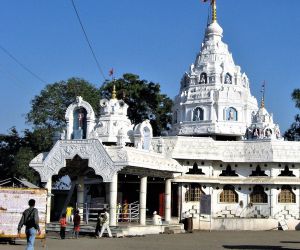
(98, 225)
(69, 213)
(63, 225)
(76, 221)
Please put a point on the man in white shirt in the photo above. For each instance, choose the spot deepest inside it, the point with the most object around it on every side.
(105, 223)
(156, 219)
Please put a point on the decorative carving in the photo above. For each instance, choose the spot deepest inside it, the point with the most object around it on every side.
(91, 149)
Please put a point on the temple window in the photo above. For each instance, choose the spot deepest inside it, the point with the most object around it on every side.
(146, 139)
(79, 123)
(228, 195)
(286, 172)
(193, 192)
(231, 114)
(228, 79)
(198, 114)
(228, 172)
(212, 79)
(203, 78)
(286, 195)
(258, 172)
(258, 195)
(268, 132)
(175, 117)
(195, 170)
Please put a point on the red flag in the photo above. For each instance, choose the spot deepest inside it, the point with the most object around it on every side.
(111, 72)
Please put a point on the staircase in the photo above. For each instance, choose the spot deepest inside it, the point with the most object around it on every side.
(132, 229)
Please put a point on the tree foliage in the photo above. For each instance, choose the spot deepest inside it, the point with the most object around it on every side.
(47, 113)
(293, 133)
(144, 99)
(15, 155)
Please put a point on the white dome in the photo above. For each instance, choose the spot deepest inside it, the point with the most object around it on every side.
(214, 29)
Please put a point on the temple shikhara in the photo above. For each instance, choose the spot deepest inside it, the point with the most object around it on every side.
(224, 163)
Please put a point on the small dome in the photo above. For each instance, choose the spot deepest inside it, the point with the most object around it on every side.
(214, 29)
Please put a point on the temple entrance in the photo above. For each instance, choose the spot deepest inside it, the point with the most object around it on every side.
(77, 186)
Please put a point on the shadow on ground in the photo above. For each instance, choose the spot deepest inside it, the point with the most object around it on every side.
(257, 247)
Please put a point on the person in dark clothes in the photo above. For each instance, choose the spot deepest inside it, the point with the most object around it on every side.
(76, 221)
(30, 218)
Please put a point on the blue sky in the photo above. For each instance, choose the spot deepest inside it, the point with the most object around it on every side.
(157, 40)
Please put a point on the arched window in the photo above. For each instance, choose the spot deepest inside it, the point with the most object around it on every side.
(286, 195)
(228, 79)
(193, 192)
(268, 132)
(79, 123)
(228, 195)
(203, 78)
(198, 114)
(258, 195)
(231, 114)
(175, 116)
(146, 141)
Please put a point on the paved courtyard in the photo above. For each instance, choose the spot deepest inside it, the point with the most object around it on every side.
(197, 240)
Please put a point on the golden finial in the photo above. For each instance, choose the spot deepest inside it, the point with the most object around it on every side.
(214, 10)
(114, 93)
(262, 104)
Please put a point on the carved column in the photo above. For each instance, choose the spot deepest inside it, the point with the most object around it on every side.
(49, 188)
(168, 200)
(143, 199)
(80, 195)
(113, 195)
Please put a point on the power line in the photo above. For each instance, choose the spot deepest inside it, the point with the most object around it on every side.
(21, 64)
(86, 38)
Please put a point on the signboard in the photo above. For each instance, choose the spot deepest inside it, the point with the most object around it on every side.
(13, 201)
(205, 204)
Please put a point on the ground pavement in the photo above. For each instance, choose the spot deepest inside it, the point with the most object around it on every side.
(285, 240)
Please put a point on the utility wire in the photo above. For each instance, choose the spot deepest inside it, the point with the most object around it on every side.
(22, 65)
(86, 38)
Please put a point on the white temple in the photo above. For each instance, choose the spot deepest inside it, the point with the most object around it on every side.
(225, 165)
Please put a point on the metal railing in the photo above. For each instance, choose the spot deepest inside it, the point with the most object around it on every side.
(126, 212)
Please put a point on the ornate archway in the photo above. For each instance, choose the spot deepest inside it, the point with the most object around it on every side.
(49, 164)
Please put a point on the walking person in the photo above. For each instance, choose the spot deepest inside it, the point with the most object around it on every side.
(105, 223)
(63, 225)
(30, 218)
(76, 222)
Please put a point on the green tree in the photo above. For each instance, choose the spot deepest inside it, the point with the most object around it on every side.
(15, 156)
(144, 99)
(47, 113)
(293, 133)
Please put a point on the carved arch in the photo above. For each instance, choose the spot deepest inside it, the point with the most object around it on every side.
(80, 103)
(50, 164)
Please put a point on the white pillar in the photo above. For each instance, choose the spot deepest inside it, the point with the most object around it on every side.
(49, 188)
(179, 200)
(113, 195)
(143, 200)
(80, 195)
(168, 200)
